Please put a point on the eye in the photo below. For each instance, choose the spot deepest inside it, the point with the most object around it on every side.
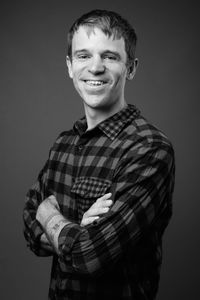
(110, 57)
(83, 56)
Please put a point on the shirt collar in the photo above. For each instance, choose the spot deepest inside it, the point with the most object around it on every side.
(114, 124)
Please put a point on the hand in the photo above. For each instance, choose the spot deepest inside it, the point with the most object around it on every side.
(47, 208)
(45, 244)
(101, 206)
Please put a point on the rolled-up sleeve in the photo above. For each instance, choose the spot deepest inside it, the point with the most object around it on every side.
(32, 228)
(142, 192)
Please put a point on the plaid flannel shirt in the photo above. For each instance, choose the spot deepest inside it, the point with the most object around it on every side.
(119, 255)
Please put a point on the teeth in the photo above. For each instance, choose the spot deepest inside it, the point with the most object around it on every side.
(94, 82)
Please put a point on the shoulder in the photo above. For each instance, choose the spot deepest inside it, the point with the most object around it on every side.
(147, 131)
(144, 145)
(64, 139)
(141, 135)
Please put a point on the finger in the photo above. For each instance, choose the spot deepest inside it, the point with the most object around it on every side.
(89, 220)
(104, 197)
(103, 203)
(97, 211)
(52, 197)
(107, 203)
(103, 210)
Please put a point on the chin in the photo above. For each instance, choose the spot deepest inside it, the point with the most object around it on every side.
(96, 103)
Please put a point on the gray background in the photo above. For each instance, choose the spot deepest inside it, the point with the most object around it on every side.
(38, 101)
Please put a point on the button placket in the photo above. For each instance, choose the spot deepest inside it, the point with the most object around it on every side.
(80, 144)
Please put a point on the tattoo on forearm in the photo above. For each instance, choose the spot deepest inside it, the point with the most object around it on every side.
(53, 228)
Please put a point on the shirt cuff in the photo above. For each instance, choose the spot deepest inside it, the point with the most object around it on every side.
(68, 235)
(33, 237)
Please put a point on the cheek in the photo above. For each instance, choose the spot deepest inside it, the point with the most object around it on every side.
(119, 73)
(76, 83)
(77, 72)
(120, 79)
(75, 75)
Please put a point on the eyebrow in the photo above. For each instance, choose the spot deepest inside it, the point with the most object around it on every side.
(80, 51)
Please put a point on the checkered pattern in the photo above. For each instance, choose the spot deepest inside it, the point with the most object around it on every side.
(90, 187)
(119, 256)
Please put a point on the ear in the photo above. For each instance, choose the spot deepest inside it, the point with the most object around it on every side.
(69, 66)
(131, 69)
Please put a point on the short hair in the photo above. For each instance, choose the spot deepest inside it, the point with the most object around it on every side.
(112, 24)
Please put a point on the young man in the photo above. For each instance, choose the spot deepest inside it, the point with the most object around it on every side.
(103, 199)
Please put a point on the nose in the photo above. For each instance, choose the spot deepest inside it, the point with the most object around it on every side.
(96, 65)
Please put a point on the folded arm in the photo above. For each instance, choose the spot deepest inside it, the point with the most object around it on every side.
(44, 221)
(142, 190)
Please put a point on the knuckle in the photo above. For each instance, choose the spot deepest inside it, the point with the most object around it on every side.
(105, 209)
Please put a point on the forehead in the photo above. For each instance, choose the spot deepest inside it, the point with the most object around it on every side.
(94, 38)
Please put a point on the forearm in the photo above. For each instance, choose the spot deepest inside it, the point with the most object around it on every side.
(51, 220)
(142, 196)
(32, 229)
(52, 228)
(33, 232)
(85, 250)
(39, 237)
(93, 249)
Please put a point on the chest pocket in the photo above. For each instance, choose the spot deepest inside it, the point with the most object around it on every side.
(87, 191)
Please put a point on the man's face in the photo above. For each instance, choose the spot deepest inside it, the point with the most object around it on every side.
(98, 69)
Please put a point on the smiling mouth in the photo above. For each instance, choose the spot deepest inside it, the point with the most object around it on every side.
(95, 83)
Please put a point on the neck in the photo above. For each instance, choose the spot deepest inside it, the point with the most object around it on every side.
(94, 116)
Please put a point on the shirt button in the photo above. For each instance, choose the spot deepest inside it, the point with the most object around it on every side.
(80, 147)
